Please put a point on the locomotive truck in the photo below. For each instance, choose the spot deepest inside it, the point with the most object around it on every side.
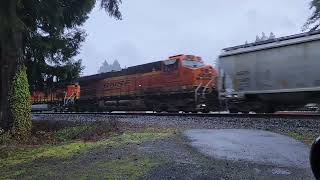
(271, 75)
(180, 83)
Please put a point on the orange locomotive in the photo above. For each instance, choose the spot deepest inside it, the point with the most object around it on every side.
(181, 83)
(55, 99)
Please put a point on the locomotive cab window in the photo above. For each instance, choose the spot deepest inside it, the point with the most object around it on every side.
(170, 65)
(192, 64)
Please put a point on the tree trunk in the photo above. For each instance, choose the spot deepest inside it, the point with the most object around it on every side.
(1, 65)
(8, 69)
(11, 57)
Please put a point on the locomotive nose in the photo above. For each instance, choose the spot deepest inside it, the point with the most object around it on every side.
(206, 73)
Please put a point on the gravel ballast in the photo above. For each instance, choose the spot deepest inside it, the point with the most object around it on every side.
(272, 124)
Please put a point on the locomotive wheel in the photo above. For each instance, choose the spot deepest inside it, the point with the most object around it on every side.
(77, 109)
(157, 110)
(270, 109)
(233, 111)
(266, 108)
(205, 111)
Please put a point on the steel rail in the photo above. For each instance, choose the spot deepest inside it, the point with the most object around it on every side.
(287, 116)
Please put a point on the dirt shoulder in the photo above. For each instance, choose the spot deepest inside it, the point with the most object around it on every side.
(125, 151)
(79, 152)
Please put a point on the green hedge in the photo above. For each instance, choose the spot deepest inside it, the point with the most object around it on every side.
(20, 105)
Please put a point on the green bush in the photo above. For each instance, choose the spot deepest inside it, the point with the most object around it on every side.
(20, 105)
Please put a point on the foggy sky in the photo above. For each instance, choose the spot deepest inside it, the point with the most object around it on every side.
(153, 30)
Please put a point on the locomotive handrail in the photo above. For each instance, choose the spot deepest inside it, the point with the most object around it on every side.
(205, 88)
(196, 92)
(67, 99)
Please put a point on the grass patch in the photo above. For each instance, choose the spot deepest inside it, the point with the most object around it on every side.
(55, 132)
(129, 167)
(87, 132)
(307, 138)
(71, 133)
(11, 157)
(19, 161)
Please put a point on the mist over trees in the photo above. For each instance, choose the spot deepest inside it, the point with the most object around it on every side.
(106, 67)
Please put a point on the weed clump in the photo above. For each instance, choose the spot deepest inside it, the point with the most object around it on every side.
(56, 132)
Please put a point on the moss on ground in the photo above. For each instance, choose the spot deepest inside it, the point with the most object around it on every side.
(19, 162)
(129, 167)
(55, 132)
(68, 134)
(307, 138)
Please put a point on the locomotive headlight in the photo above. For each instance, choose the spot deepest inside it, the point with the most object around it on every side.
(203, 105)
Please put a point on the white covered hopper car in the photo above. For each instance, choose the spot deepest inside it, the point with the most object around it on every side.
(275, 74)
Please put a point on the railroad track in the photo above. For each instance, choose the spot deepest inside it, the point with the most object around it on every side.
(276, 115)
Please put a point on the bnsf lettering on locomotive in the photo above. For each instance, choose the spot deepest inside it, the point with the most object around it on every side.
(118, 84)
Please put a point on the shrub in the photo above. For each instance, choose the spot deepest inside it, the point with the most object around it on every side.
(20, 105)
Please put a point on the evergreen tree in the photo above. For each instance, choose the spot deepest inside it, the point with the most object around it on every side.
(106, 67)
(20, 106)
(313, 22)
(35, 32)
(116, 66)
